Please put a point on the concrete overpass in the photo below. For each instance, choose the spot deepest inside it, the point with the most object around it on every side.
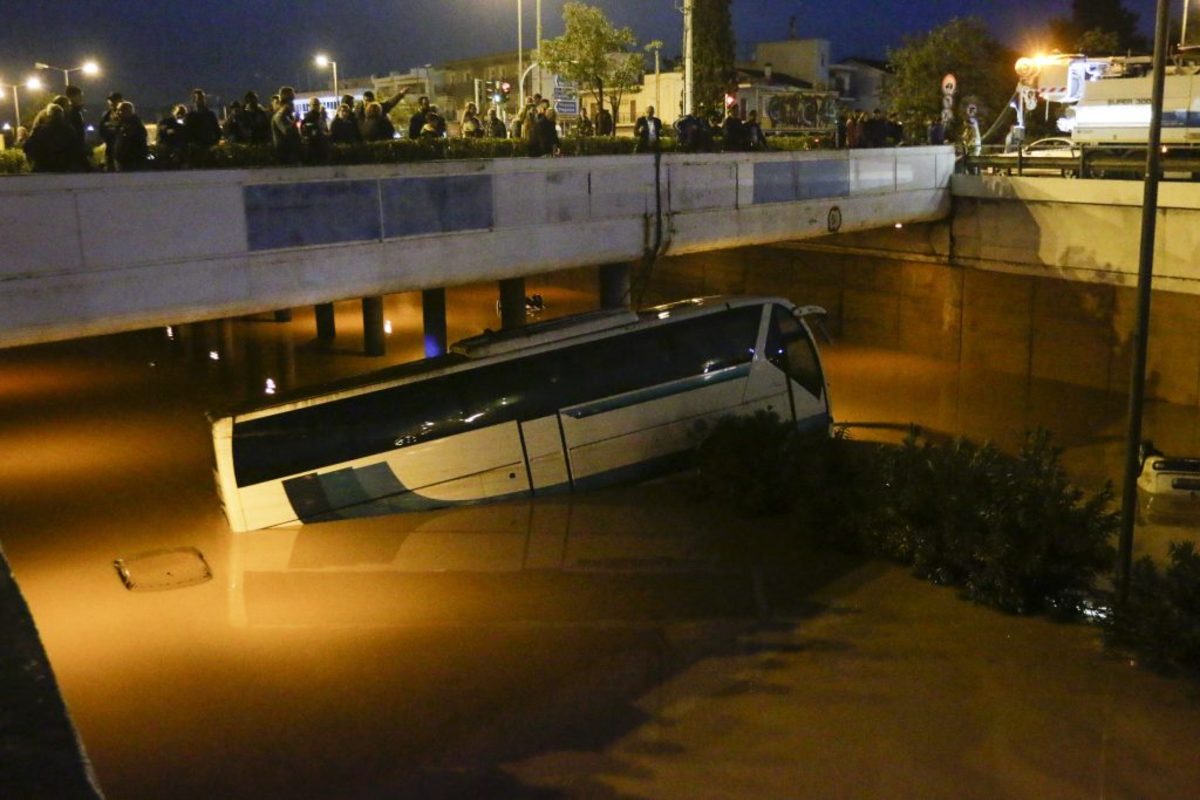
(103, 253)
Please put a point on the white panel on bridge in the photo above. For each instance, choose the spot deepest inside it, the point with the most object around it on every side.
(37, 233)
(872, 173)
(623, 190)
(174, 222)
(524, 199)
(696, 187)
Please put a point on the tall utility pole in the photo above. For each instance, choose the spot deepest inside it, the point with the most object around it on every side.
(520, 59)
(688, 75)
(1141, 333)
(537, 10)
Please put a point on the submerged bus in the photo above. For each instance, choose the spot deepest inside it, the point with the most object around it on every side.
(569, 403)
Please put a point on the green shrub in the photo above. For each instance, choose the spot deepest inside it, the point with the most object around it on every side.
(13, 162)
(1160, 622)
(1012, 533)
(1008, 531)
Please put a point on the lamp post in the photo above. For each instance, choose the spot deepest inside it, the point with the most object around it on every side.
(16, 102)
(324, 61)
(687, 8)
(656, 46)
(87, 68)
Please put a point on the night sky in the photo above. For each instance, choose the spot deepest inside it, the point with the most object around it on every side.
(155, 53)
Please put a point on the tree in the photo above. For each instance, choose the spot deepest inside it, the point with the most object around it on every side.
(713, 71)
(963, 47)
(593, 54)
(1104, 24)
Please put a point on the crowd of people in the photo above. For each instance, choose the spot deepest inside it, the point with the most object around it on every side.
(57, 139)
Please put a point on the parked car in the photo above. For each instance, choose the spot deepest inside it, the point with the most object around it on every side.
(1052, 147)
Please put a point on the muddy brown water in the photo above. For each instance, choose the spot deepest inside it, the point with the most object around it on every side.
(580, 644)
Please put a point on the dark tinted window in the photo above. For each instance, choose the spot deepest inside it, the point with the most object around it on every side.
(790, 348)
(524, 388)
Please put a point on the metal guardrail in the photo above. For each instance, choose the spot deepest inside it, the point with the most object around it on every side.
(1092, 162)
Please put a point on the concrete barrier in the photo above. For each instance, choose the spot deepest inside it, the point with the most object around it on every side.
(98, 253)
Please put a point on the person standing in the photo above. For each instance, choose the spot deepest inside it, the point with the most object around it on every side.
(170, 143)
(472, 126)
(545, 141)
(344, 128)
(201, 130)
(584, 126)
(377, 126)
(314, 133)
(129, 145)
(495, 126)
(417, 121)
(755, 139)
(74, 116)
(108, 129)
(648, 131)
(51, 146)
(285, 134)
(604, 123)
(256, 122)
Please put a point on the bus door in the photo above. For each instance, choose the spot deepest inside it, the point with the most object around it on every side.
(790, 348)
(544, 453)
(767, 388)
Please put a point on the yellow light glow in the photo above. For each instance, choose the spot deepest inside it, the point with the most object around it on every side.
(322, 61)
(90, 68)
(33, 84)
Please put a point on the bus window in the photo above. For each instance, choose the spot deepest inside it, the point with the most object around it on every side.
(790, 348)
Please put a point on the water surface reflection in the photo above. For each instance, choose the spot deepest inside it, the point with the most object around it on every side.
(328, 661)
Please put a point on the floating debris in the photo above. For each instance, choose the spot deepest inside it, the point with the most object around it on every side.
(157, 570)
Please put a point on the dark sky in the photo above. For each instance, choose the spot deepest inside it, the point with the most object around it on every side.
(156, 52)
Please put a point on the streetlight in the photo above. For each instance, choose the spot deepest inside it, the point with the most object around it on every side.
(657, 46)
(31, 83)
(521, 48)
(324, 61)
(87, 68)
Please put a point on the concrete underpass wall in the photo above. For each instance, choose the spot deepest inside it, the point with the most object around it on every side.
(1050, 328)
(101, 253)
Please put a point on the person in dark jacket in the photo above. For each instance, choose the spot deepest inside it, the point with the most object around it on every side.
(108, 129)
(755, 139)
(648, 131)
(129, 146)
(360, 109)
(495, 126)
(545, 135)
(314, 133)
(417, 121)
(74, 114)
(170, 143)
(285, 134)
(344, 128)
(255, 121)
(232, 127)
(733, 134)
(201, 130)
(604, 123)
(377, 126)
(51, 146)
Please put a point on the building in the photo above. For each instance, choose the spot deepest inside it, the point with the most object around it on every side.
(860, 82)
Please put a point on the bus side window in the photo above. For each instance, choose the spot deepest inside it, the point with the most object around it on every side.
(790, 348)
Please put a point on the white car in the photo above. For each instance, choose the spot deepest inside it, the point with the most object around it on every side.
(1052, 147)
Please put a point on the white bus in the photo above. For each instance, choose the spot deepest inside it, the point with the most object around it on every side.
(569, 403)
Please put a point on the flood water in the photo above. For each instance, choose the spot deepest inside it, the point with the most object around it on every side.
(343, 660)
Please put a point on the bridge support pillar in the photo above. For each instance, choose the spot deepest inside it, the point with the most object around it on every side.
(512, 303)
(374, 343)
(614, 285)
(433, 312)
(283, 315)
(326, 329)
